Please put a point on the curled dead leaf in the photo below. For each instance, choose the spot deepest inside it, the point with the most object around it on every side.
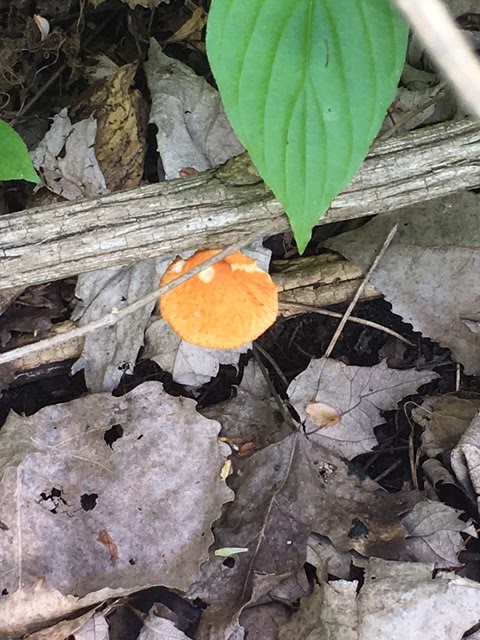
(226, 469)
(43, 26)
(322, 414)
(192, 27)
(106, 539)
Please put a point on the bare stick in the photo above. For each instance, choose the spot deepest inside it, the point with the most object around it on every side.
(356, 297)
(447, 47)
(116, 315)
(282, 405)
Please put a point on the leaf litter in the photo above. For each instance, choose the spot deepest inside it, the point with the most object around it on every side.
(285, 492)
(430, 271)
(110, 352)
(93, 465)
(75, 476)
(356, 394)
(413, 600)
(193, 130)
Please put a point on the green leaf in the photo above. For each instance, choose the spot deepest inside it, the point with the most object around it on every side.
(15, 162)
(226, 552)
(306, 85)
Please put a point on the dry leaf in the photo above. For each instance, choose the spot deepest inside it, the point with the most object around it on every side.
(99, 67)
(193, 130)
(96, 628)
(188, 364)
(323, 555)
(66, 160)
(330, 613)
(284, 492)
(434, 534)
(444, 419)
(251, 416)
(264, 621)
(409, 594)
(31, 611)
(396, 601)
(357, 394)
(192, 26)
(157, 628)
(121, 116)
(62, 629)
(145, 467)
(430, 271)
(111, 351)
(465, 460)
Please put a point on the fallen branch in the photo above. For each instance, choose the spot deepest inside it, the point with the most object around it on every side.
(218, 208)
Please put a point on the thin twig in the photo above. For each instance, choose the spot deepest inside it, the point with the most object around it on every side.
(334, 314)
(385, 473)
(116, 315)
(413, 457)
(360, 289)
(280, 403)
(268, 357)
(447, 47)
(458, 377)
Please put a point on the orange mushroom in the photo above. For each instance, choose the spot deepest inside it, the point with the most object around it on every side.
(223, 307)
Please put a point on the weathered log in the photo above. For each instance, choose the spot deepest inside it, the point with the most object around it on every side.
(219, 207)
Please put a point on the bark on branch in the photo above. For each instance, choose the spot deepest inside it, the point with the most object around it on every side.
(217, 208)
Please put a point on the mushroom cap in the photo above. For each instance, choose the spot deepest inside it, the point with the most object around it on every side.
(225, 306)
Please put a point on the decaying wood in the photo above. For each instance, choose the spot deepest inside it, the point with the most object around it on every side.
(219, 207)
(318, 281)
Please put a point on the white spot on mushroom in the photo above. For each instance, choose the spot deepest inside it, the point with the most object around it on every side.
(207, 275)
(178, 266)
(249, 268)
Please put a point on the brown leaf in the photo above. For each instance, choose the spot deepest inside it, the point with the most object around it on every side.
(355, 394)
(435, 534)
(445, 419)
(121, 116)
(265, 620)
(285, 492)
(192, 26)
(193, 130)
(105, 538)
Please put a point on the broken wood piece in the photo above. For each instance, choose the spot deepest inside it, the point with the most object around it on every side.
(318, 281)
